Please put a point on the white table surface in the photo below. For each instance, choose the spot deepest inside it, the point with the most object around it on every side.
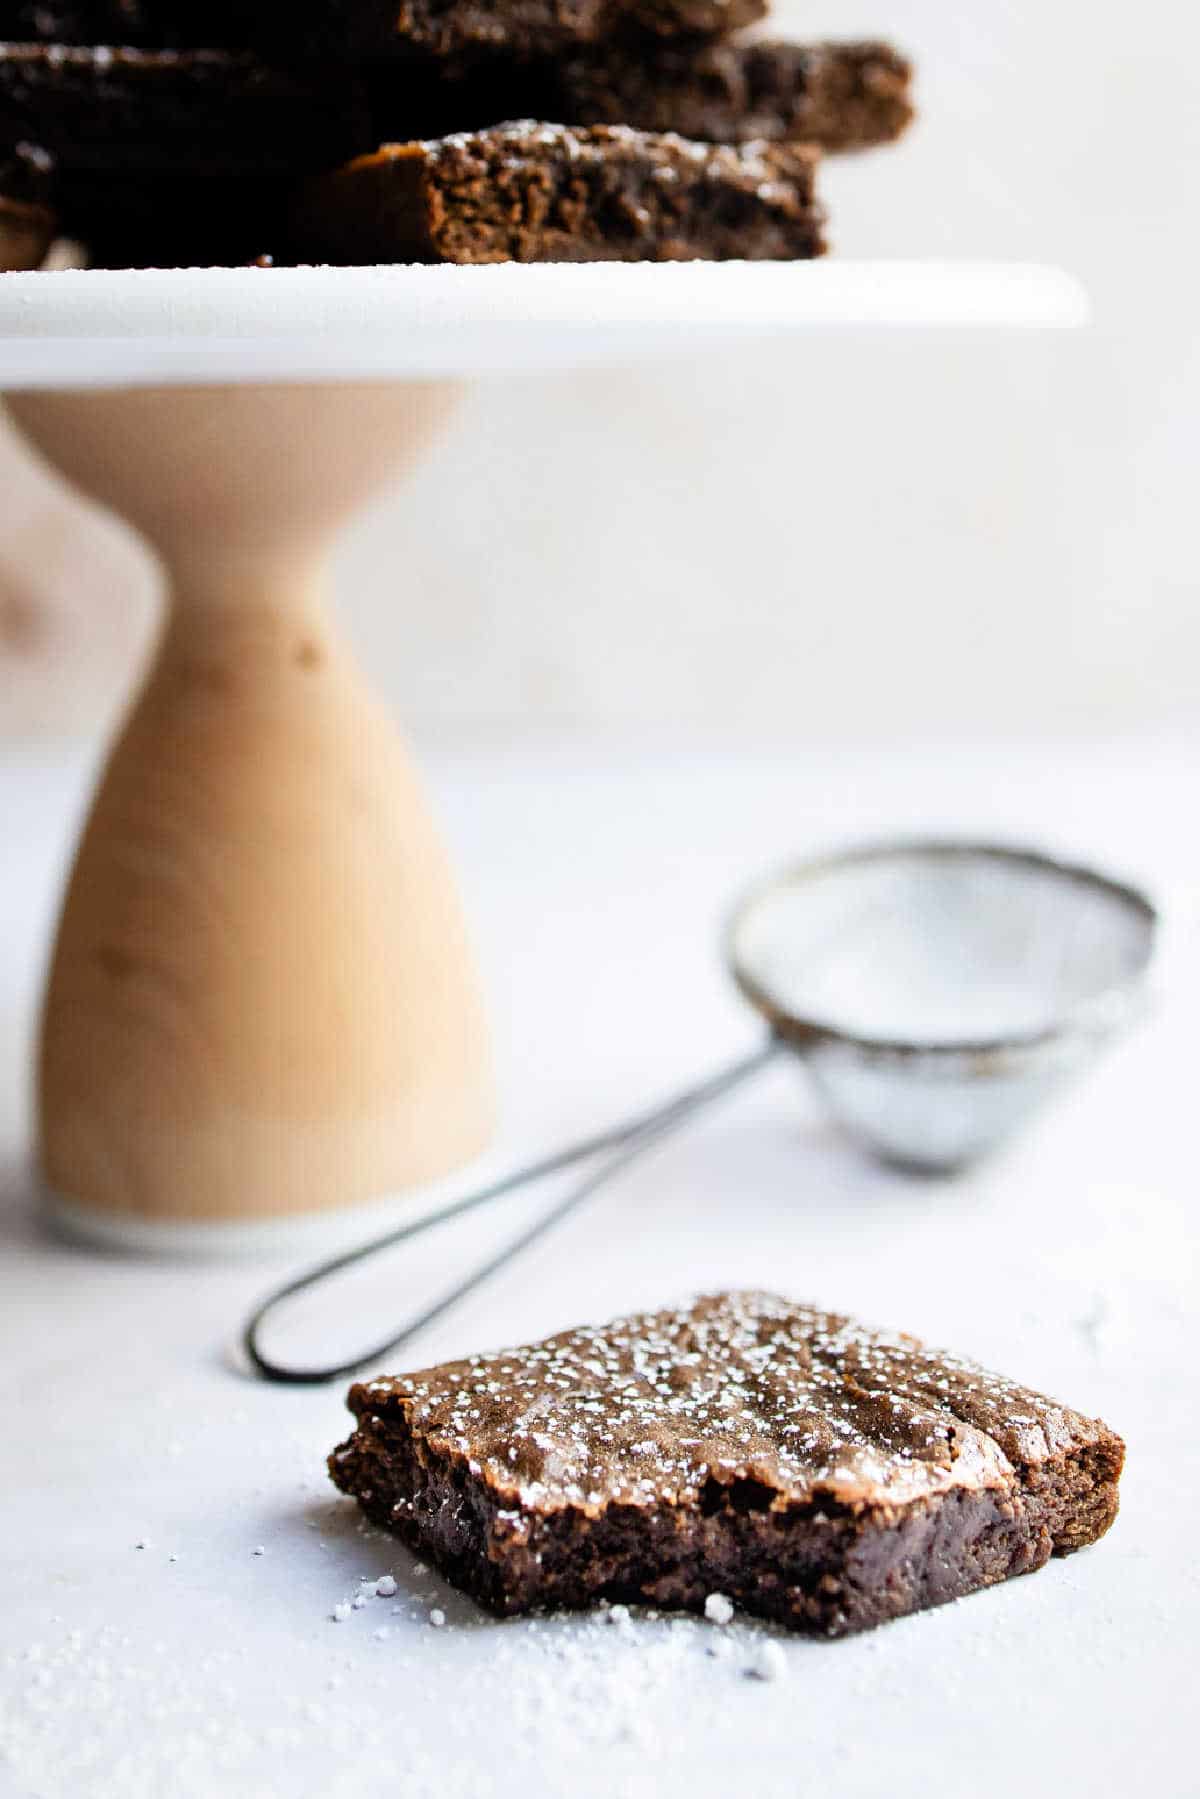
(596, 877)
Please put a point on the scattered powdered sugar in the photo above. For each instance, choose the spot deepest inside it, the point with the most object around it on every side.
(769, 1662)
(609, 1687)
(145, 1719)
(385, 1586)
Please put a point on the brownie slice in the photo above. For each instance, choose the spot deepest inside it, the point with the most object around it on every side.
(528, 192)
(170, 110)
(28, 221)
(359, 30)
(814, 1471)
(363, 29)
(840, 96)
(837, 96)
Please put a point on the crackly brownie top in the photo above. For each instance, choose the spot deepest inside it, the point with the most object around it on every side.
(756, 166)
(736, 1386)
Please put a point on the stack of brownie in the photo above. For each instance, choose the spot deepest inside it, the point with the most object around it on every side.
(170, 132)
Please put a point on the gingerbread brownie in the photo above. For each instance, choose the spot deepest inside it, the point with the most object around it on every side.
(837, 96)
(168, 110)
(814, 1471)
(357, 30)
(840, 96)
(529, 192)
(369, 28)
(28, 221)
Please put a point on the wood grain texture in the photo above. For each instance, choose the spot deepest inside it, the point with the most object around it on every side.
(262, 1000)
(78, 600)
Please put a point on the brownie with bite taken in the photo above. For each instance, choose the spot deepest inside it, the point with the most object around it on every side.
(803, 1466)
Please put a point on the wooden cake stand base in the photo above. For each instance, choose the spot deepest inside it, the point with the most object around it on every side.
(262, 1000)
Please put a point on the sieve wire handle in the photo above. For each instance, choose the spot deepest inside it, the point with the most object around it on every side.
(627, 1141)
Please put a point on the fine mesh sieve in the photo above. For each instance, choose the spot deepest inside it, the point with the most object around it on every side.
(938, 992)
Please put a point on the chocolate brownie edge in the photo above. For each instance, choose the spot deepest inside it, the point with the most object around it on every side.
(525, 191)
(1077, 1495)
(839, 96)
(819, 1568)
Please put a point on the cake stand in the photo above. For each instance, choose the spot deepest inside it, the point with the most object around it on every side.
(262, 1008)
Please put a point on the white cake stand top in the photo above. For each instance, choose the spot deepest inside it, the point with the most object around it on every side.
(94, 328)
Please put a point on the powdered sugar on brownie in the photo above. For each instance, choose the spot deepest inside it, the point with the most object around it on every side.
(740, 1386)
